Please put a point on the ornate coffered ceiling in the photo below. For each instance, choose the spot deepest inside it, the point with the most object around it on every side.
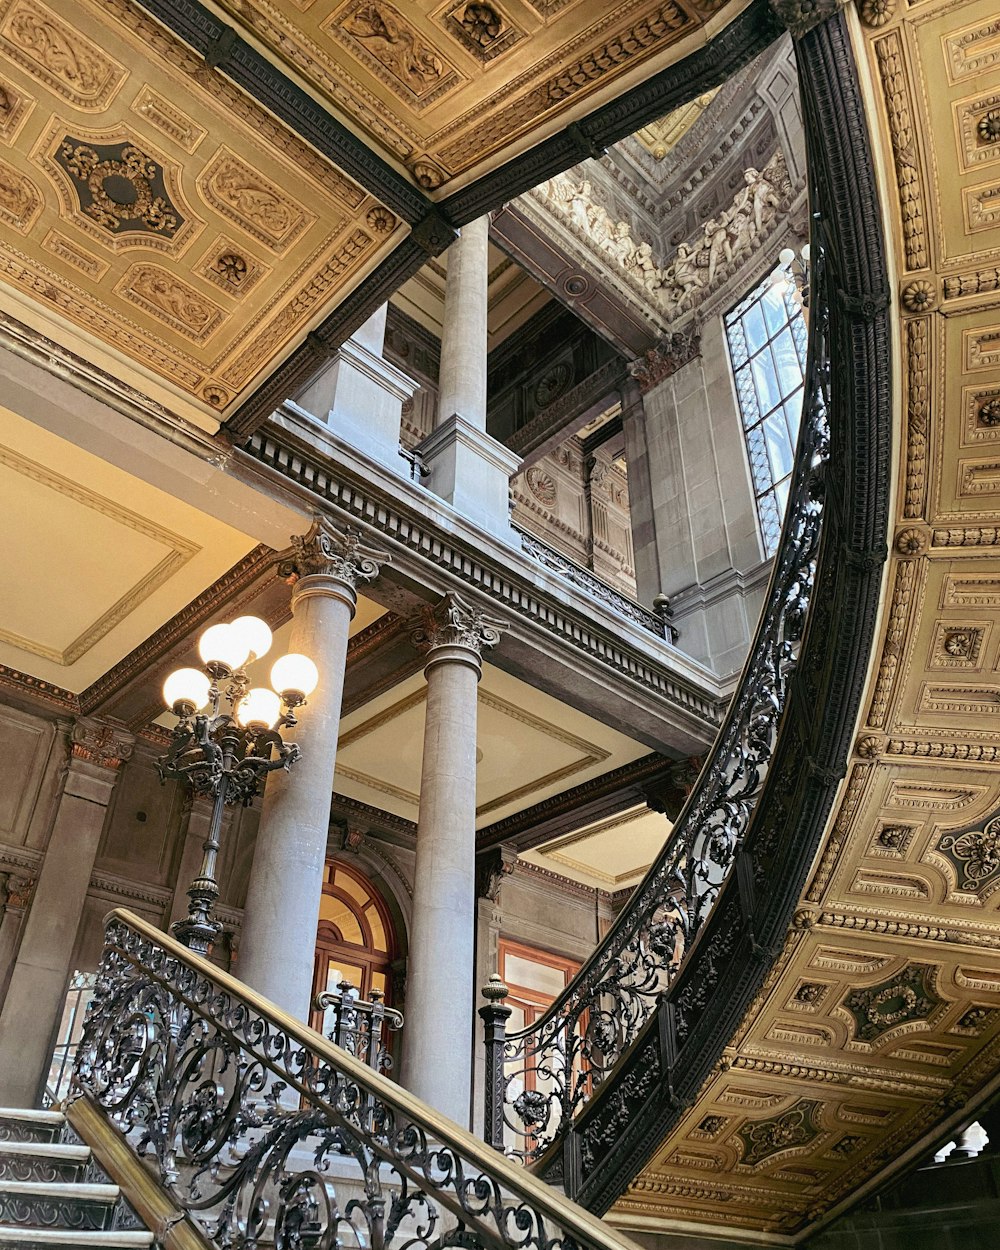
(445, 89)
(879, 1025)
(155, 208)
(205, 202)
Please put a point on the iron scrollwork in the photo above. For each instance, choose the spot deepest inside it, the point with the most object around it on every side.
(260, 1129)
(538, 1079)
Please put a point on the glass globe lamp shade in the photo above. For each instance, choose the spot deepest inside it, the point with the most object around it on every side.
(786, 256)
(295, 677)
(259, 707)
(255, 633)
(805, 252)
(186, 688)
(221, 644)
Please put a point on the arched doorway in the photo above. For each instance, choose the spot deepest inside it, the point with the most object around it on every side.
(355, 940)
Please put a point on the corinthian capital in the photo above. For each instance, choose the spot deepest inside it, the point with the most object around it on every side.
(100, 742)
(337, 552)
(453, 623)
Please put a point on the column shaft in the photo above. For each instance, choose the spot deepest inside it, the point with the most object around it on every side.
(286, 880)
(439, 993)
(462, 386)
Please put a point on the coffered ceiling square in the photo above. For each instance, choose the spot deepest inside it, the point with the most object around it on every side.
(94, 559)
(131, 158)
(529, 746)
(442, 87)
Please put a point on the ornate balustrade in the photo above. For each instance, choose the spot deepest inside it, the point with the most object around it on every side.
(363, 1028)
(538, 1079)
(656, 622)
(251, 1122)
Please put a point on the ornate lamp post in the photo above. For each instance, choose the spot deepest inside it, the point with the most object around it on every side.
(224, 755)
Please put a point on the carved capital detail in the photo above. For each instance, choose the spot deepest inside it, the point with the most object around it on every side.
(19, 891)
(454, 623)
(100, 742)
(337, 552)
(800, 16)
(491, 868)
(671, 353)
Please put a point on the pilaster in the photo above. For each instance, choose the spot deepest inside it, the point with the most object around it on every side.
(33, 1005)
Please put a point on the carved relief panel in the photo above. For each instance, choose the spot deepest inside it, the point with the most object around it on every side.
(148, 197)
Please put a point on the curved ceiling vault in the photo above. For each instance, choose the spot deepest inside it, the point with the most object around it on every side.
(878, 1027)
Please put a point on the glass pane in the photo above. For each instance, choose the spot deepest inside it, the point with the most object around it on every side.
(779, 449)
(377, 927)
(774, 308)
(786, 362)
(793, 414)
(338, 970)
(533, 976)
(351, 887)
(770, 522)
(737, 342)
(336, 911)
(747, 396)
(760, 466)
(754, 328)
(378, 982)
(766, 380)
(516, 1020)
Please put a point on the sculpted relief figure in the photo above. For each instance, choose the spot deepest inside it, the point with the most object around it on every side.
(697, 265)
(398, 48)
(727, 236)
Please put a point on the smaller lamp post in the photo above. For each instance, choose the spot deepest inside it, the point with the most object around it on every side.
(224, 755)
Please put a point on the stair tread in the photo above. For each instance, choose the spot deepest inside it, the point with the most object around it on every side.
(67, 1151)
(32, 1114)
(71, 1237)
(78, 1190)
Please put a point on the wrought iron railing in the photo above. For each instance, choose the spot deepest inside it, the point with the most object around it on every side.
(537, 1079)
(261, 1129)
(656, 622)
(362, 1027)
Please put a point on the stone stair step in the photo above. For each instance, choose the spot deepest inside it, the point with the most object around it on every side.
(24, 1124)
(81, 1191)
(46, 1162)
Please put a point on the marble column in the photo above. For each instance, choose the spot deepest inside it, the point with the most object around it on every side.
(440, 982)
(466, 467)
(33, 1006)
(278, 939)
(462, 377)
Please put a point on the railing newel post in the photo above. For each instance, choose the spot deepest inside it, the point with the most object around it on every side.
(494, 1017)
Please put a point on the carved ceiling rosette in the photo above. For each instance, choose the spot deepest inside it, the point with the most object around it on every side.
(334, 552)
(907, 997)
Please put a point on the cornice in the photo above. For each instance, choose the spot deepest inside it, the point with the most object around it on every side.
(578, 627)
(526, 870)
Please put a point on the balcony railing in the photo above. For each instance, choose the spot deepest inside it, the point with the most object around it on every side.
(538, 1079)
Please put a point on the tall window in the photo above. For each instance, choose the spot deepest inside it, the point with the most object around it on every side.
(767, 346)
(355, 941)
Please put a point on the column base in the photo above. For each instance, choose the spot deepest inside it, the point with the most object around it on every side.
(471, 470)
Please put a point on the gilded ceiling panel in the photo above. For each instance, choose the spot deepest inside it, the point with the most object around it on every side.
(440, 88)
(880, 1023)
(144, 197)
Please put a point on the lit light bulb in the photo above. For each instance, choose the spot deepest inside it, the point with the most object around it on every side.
(186, 688)
(786, 256)
(259, 707)
(255, 633)
(295, 677)
(220, 644)
(805, 253)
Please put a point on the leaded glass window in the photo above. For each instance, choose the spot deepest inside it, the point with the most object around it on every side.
(766, 333)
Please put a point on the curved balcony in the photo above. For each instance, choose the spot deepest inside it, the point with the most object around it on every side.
(585, 1094)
